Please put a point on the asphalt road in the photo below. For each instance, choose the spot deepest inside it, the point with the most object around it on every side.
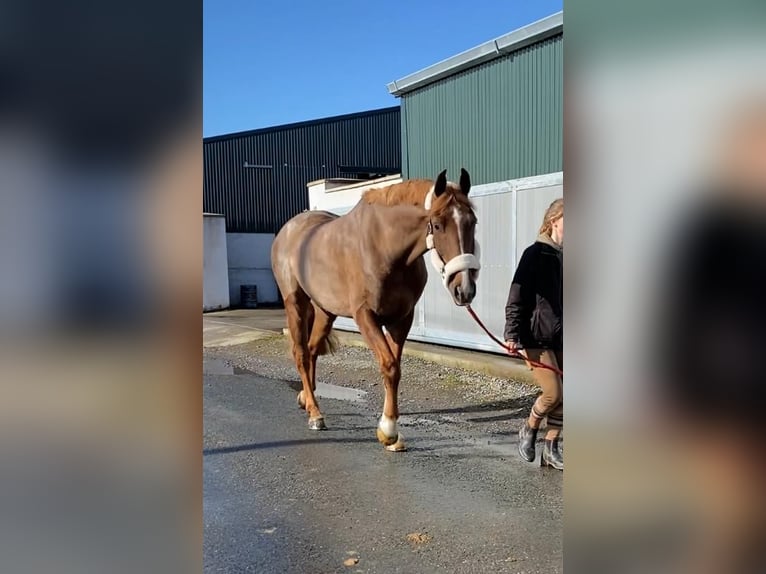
(279, 498)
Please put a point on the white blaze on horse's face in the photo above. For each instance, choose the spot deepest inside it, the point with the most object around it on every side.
(455, 251)
(465, 233)
(460, 277)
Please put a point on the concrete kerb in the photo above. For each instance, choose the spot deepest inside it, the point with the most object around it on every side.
(233, 327)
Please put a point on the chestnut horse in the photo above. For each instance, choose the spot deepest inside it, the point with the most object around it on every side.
(368, 265)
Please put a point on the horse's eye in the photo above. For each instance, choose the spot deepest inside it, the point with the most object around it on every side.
(437, 226)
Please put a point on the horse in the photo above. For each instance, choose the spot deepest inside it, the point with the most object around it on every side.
(368, 265)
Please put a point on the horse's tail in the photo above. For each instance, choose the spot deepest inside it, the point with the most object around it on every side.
(329, 345)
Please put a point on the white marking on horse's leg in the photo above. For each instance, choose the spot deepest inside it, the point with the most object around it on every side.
(301, 400)
(388, 426)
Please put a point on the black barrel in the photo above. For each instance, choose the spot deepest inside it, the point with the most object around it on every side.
(248, 295)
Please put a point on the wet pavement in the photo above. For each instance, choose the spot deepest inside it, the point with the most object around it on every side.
(281, 498)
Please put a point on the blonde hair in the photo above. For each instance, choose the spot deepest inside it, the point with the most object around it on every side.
(554, 212)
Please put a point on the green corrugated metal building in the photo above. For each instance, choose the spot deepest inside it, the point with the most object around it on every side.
(496, 109)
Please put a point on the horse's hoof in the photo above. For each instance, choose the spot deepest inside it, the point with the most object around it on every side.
(301, 404)
(398, 446)
(317, 424)
(385, 439)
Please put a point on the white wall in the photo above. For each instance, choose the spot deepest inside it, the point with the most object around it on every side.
(339, 195)
(250, 264)
(215, 287)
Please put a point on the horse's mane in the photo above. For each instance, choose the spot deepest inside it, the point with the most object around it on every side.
(410, 192)
(413, 192)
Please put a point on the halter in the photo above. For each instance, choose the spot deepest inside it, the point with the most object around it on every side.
(462, 262)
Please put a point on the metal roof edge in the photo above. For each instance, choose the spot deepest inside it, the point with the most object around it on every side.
(354, 184)
(302, 124)
(515, 40)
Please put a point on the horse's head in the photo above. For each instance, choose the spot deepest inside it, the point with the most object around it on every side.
(451, 228)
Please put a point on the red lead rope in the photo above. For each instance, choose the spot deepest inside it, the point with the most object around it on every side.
(515, 355)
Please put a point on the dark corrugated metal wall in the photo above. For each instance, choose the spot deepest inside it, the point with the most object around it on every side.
(261, 199)
(500, 120)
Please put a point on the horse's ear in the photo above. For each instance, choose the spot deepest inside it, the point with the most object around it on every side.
(465, 181)
(441, 183)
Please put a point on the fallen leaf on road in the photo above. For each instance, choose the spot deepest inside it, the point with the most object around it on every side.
(419, 537)
(350, 561)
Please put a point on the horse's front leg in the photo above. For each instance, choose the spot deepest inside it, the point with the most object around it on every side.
(396, 337)
(388, 360)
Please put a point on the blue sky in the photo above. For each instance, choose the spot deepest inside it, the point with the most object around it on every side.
(271, 62)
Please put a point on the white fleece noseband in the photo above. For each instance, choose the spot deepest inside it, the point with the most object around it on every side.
(462, 262)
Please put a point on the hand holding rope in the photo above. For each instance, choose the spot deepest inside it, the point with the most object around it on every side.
(513, 354)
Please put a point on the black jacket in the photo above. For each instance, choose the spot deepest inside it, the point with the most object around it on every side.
(534, 311)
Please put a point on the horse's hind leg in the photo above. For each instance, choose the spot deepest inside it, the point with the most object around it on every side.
(300, 317)
(307, 319)
(320, 342)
